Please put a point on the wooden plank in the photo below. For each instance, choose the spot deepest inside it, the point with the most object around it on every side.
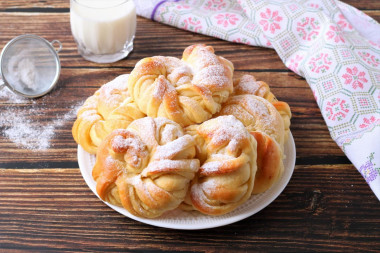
(23, 4)
(320, 209)
(364, 5)
(33, 4)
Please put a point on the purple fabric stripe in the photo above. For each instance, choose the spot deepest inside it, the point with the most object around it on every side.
(156, 7)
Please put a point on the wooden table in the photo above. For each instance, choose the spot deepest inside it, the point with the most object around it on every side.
(45, 205)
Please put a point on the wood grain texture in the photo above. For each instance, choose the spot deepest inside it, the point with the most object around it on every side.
(69, 217)
(45, 205)
(59, 4)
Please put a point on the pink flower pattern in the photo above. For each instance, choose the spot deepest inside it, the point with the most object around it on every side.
(343, 23)
(241, 41)
(374, 44)
(314, 6)
(192, 24)
(370, 59)
(250, 26)
(215, 5)
(308, 28)
(226, 19)
(294, 62)
(320, 63)
(183, 6)
(368, 121)
(354, 78)
(337, 109)
(335, 33)
(270, 20)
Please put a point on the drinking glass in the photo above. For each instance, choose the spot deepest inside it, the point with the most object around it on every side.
(103, 29)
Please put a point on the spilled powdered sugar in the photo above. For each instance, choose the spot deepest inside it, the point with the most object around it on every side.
(20, 123)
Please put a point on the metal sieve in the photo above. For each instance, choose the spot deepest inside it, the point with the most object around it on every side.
(30, 65)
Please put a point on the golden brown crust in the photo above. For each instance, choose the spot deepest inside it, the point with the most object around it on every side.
(270, 164)
(225, 179)
(109, 108)
(284, 110)
(257, 114)
(187, 91)
(146, 168)
(248, 84)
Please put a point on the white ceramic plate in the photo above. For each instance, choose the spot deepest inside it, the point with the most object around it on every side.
(178, 219)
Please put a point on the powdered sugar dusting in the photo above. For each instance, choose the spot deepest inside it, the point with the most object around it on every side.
(180, 74)
(205, 58)
(169, 133)
(135, 151)
(19, 121)
(119, 83)
(7, 96)
(208, 70)
(120, 143)
(246, 85)
(162, 86)
(170, 166)
(212, 76)
(259, 108)
(224, 128)
(171, 149)
(115, 91)
(227, 135)
(257, 113)
(212, 166)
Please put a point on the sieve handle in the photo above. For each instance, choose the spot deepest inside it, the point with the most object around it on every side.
(57, 45)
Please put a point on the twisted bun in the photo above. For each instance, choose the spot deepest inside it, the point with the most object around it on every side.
(147, 167)
(228, 165)
(108, 109)
(187, 91)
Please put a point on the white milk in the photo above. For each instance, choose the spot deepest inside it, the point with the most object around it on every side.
(102, 26)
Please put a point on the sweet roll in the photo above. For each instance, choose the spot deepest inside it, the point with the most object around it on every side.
(147, 167)
(227, 153)
(187, 91)
(248, 84)
(109, 108)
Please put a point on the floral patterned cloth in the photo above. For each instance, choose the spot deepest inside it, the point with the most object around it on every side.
(334, 46)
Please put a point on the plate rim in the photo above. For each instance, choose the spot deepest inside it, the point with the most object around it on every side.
(263, 203)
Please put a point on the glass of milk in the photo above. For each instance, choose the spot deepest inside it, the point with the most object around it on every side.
(103, 29)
